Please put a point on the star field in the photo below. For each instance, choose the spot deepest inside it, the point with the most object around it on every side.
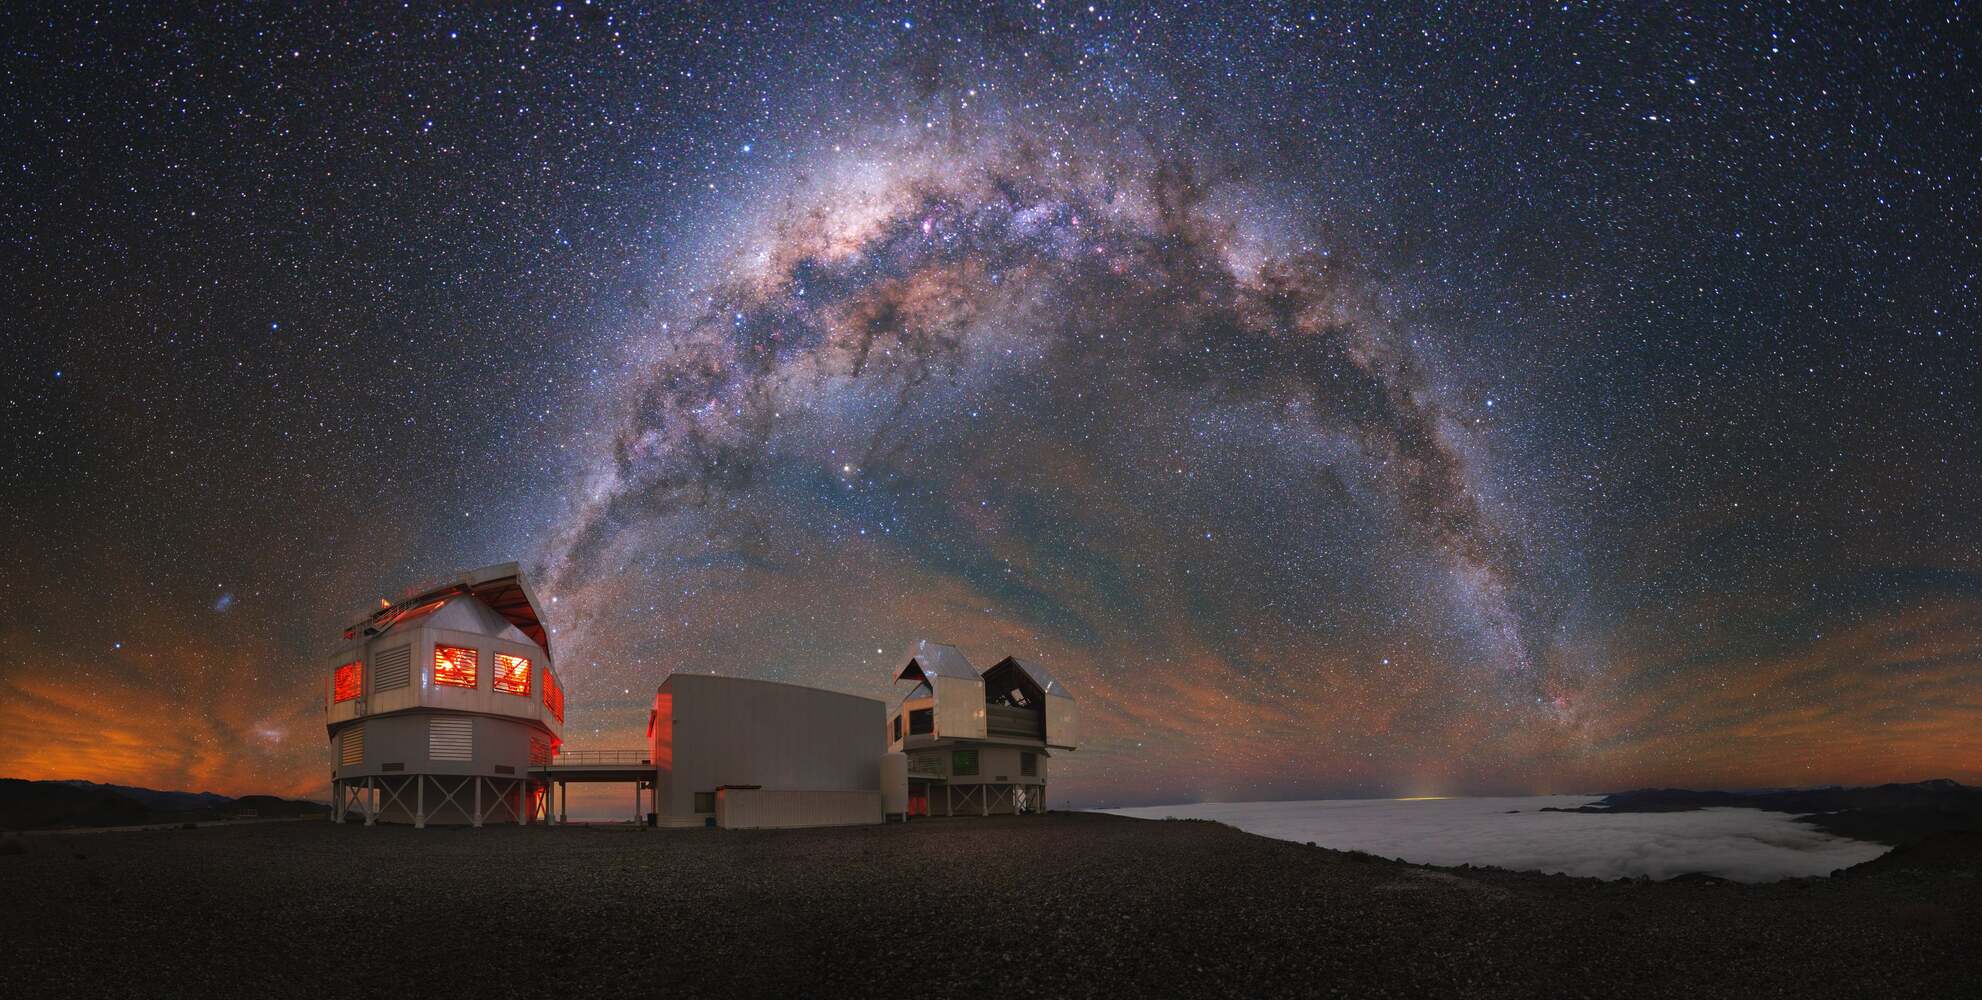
(1401, 400)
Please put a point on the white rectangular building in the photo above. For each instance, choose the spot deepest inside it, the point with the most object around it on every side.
(731, 751)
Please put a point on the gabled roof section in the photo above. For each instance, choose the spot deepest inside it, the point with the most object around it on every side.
(500, 587)
(1046, 681)
(927, 660)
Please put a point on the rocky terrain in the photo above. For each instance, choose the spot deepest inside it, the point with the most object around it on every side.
(1061, 905)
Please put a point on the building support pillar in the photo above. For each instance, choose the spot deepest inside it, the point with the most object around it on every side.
(563, 801)
(654, 800)
(522, 807)
(420, 802)
(478, 802)
(371, 807)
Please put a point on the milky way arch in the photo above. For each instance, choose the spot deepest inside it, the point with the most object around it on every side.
(963, 259)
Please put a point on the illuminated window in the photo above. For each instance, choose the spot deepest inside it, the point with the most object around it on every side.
(553, 696)
(454, 666)
(512, 674)
(345, 683)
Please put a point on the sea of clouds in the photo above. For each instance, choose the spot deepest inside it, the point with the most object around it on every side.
(1747, 845)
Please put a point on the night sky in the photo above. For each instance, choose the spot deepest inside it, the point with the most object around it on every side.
(1421, 399)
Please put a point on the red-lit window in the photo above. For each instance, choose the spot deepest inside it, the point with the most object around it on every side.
(512, 674)
(553, 696)
(345, 683)
(454, 666)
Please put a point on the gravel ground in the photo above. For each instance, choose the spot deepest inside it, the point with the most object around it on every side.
(1064, 905)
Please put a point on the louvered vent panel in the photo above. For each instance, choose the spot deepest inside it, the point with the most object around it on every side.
(351, 751)
(392, 669)
(451, 739)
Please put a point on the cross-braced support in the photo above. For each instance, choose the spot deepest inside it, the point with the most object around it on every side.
(422, 797)
(998, 797)
(959, 797)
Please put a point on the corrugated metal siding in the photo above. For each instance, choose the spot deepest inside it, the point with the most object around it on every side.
(1023, 723)
(392, 669)
(451, 739)
(351, 748)
(926, 762)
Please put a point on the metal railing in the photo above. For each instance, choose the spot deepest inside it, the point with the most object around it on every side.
(585, 758)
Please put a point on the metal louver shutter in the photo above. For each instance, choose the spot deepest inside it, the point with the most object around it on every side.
(392, 669)
(351, 746)
(540, 752)
(451, 739)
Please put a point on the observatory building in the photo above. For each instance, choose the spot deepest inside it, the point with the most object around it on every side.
(440, 706)
(977, 744)
(444, 708)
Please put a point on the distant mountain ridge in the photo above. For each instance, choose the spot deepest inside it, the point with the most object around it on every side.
(1900, 813)
(33, 805)
(152, 798)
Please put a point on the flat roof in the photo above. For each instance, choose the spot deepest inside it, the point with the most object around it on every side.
(669, 679)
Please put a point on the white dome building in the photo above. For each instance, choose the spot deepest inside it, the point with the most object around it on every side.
(439, 707)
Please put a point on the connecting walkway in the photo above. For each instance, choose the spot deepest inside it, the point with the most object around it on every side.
(632, 766)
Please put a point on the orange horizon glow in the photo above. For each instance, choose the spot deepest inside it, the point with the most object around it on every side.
(1891, 699)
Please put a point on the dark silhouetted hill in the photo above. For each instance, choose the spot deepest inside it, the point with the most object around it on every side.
(30, 805)
(154, 799)
(268, 806)
(34, 805)
(1900, 814)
